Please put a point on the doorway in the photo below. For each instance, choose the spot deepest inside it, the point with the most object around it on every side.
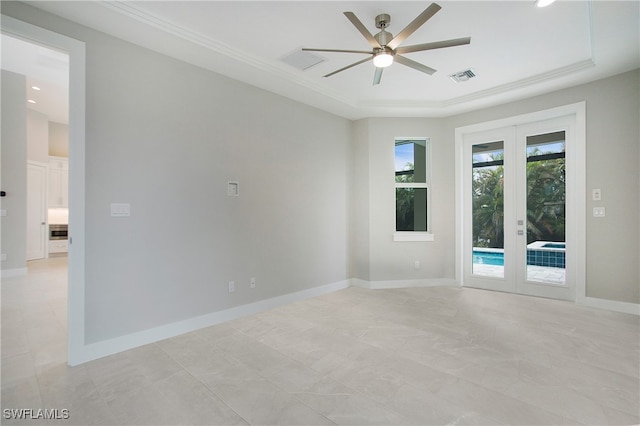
(76, 52)
(519, 186)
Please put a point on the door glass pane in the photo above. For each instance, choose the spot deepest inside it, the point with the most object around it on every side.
(546, 208)
(488, 209)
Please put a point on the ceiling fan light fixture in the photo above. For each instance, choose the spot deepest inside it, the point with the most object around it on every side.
(382, 59)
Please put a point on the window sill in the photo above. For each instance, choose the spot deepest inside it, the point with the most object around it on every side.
(413, 236)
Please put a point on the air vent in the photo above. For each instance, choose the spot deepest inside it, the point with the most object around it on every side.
(461, 76)
(302, 60)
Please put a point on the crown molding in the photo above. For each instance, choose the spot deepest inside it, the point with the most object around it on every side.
(275, 76)
(273, 68)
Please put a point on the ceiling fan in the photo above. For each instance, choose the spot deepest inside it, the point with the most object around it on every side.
(385, 47)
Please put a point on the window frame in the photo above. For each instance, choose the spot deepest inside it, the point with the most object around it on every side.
(415, 236)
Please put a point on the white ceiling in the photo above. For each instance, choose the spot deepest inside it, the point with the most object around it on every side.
(45, 69)
(517, 49)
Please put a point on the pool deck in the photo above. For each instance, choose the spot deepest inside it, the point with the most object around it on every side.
(534, 273)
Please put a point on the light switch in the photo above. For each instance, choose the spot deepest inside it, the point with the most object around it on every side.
(3, 212)
(120, 209)
(596, 194)
(599, 212)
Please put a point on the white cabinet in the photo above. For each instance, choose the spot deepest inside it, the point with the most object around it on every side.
(58, 182)
(58, 246)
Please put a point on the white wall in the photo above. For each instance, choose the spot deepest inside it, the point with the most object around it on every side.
(14, 172)
(37, 137)
(58, 139)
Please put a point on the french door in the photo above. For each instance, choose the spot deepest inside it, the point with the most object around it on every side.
(517, 219)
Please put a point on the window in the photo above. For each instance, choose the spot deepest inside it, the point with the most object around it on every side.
(412, 186)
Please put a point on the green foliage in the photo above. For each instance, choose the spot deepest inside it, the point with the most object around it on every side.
(405, 201)
(545, 203)
(488, 207)
(405, 209)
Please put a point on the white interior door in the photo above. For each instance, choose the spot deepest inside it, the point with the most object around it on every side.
(36, 211)
(517, 209)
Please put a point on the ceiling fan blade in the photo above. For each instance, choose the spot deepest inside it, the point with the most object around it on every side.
(434, 45)
(377, 76)
(349, 66)
(368, 52)
(413, 64)
(414, 25)
(363, 30)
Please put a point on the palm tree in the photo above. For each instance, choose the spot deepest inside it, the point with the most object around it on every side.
(545, 202)
(488, 207)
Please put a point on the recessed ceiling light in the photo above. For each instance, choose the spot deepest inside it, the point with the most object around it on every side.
(544, 3)
(35, 87)
(31, 101)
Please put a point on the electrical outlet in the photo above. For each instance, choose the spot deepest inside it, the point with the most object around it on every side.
(252, 282)
(232, 286)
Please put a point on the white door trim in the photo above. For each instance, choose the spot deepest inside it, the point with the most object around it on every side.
(576, 159)
(76, 284)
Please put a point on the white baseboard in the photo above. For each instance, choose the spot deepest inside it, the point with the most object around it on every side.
(425, 282)
(16, 272)
(610, 305)
(119, 344)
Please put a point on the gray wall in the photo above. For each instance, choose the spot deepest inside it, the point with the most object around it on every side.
(315, 189)
(14, 170)
(166, 137)
(613, 164)
(386, 260)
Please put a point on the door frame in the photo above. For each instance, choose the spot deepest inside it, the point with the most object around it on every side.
(576, 188)
(77, 88)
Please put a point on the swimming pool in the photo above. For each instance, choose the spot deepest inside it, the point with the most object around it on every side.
(488, 257)
(539, 253)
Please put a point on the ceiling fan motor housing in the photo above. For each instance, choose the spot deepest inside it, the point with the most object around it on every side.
(383, 37)
(383, 20)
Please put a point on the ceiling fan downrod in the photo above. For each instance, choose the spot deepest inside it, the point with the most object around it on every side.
(383, 37)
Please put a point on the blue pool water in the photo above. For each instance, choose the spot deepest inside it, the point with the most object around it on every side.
(555, 245)
(488, 258)
(553, 259)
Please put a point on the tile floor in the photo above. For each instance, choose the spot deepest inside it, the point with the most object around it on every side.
(354, 357)
(534, 273)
